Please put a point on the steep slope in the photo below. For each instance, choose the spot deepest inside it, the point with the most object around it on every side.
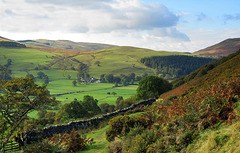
(66, 44)
(223, 48)
(225, 68)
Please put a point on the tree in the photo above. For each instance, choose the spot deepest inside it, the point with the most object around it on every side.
(116, 80)
(104, 107)
(138, 78)
(74, 82)
(20, 97)
(90, 105)
(109, 78)
(40, 75)
(73, 110)
(102, 77)
(132, 77)
(45, 79)
(82, 72)
(151, 87)
(118, 101)
(5, 72)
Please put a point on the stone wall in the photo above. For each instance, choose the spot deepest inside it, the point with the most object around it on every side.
(82, 124)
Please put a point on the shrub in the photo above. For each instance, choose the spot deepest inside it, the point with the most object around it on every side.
(72, 141)
(119, 126)
(141, 142)
(44, 146)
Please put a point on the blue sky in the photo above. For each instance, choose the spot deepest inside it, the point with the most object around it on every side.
(209, 14)
(172, 25)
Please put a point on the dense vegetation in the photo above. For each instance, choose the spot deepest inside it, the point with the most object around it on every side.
(202, 71)
(11, 44)
(171, 67)
(182, 123)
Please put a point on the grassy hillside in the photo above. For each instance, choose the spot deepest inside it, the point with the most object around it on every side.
(203, 119)
(66, 44)
(202, 71)
(115, 60)
(226, 67)
(121, 60)
(223, 48)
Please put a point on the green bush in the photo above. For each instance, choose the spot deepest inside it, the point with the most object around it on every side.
(119, 126)
(141, 142)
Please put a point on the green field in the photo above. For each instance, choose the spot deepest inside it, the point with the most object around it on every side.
(115, 60)
(97, 90)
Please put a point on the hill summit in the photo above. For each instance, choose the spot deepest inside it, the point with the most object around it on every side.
(66, 44)
(223, 48)
(7, 43)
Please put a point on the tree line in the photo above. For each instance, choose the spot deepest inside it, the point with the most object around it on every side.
(10, 44)
(175, 66)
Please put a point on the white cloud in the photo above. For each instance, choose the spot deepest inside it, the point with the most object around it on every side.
(78, 16)
(120, 22)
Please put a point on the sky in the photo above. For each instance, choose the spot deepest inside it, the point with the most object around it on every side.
(170, 25)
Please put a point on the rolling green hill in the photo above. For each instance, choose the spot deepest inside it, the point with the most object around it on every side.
(60, 64)
(121, 60)
(114, 60)
(223, 48)
(65, 44)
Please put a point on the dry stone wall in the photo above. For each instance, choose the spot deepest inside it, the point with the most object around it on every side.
(82, 124)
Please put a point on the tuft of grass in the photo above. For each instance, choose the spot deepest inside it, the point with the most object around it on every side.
(224, 139)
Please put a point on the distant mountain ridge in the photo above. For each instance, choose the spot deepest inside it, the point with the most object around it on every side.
(8, 43)
(66, 44)
(223, 48)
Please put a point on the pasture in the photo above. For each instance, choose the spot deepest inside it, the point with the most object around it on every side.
(64, 91)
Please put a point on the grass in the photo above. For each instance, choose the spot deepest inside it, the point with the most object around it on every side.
(121, 60)
(100, 142)
(224, 139)
(24, 59)
(97, 90)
